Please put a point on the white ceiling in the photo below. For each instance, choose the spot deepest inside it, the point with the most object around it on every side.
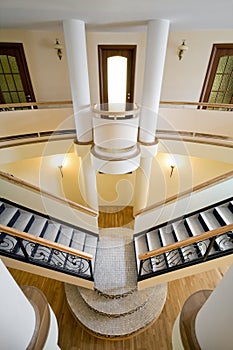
(117, 15)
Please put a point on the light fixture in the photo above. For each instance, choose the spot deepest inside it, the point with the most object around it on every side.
(60, 168)
(182, 48)
(172, 169)
(59, 48)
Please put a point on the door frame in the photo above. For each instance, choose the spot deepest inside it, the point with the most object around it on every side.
(103, 68)
(22, 65)
(218, 50)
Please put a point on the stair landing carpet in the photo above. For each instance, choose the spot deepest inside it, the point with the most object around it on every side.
(116, 308)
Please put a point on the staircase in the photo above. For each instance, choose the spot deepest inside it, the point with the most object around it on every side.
(170, 233)
(47, 229)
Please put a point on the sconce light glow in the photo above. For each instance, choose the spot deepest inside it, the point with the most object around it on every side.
(58, 160)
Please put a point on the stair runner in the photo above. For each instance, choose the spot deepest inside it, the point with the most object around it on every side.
(116, 308)
(191, 225)
(25, 220)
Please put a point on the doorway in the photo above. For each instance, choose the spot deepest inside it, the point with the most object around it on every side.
(15, 82)
(117, 73)
(218, 84)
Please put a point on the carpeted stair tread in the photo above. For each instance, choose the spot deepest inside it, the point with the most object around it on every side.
(38, 227)
(8, 216)
(78, 240)
(65, 235)
(117, 306)
(115, 269)
(121, 326)
(24, 221)
(51, 232)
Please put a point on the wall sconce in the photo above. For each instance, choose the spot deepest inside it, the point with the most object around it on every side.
(59, 48)
(182, 48)
(60, 168)
(172, 169)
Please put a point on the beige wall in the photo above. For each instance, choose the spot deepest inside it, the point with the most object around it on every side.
(49, 75)
(116, 190)
(182, 79)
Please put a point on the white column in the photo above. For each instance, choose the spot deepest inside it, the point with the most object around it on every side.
(75, 39)
(214, 321)
(87, 182)
(157, 35)
(17, 316)
(142, 184)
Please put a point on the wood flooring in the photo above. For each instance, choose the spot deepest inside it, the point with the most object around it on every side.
(157, 337)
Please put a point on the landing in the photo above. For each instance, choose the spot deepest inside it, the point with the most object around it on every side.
(115, 266)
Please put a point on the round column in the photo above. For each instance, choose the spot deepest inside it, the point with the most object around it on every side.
(142, 182)
(17, 316)
(75, 40)
(214, 321)
(157, 35)
(87, 181)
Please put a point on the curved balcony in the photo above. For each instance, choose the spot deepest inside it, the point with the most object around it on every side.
(115, 129)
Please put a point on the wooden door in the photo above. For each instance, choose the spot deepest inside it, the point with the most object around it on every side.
(218, 84)
(107, 51)
(15, 82)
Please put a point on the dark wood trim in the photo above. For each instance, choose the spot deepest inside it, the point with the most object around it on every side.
(103, 68)
(188, 316)
(17, 50)
(217, 51)
(42, 313)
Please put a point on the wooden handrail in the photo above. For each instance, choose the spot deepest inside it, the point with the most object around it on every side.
(196, 188)
(45, 242)
(172, 103)
(198, 104)
(36, 189)
(187, 241)
(31, 104)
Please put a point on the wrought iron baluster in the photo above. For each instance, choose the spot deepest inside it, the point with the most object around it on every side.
(20, 241)
(210, 246)
(91, 272)
(140, 267)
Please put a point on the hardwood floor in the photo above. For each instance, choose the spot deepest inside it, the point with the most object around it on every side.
(157, 337)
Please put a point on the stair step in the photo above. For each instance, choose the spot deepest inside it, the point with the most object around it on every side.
(230, 206)
(78, 240)
(90, 248)
(43, 253)
(2, 207)
(9, 215)
(140, 244)
(173, 257)
(51, 232)
(223, 242)
(118, 325)
(65, 235)
(189, 252)
(112, 307)
(158, 262)
(195, 228)
(224, 215)
(209, 221)
(38, 227)
(23, 222)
